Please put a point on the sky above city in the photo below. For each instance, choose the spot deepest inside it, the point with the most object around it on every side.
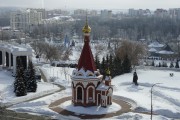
(93, 4)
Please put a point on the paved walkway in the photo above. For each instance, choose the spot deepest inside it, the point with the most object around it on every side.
(125, 107)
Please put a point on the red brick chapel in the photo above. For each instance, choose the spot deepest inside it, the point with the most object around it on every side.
(88, 86)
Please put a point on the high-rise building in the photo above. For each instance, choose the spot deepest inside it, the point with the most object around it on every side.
(80, 12)
(106, 13)
(21, 20)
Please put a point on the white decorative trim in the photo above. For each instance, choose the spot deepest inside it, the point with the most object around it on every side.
(73, 94)
(95, 83)
(85, 84)
(110, 91)
(98, 99)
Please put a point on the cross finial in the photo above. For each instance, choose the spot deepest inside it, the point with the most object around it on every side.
(86, 28)
(86, 17)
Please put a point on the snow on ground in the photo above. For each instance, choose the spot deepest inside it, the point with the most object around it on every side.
(165, 95)
(59, 75)
(94, 110)
(166, 100)
(7, 96)
(137, 116)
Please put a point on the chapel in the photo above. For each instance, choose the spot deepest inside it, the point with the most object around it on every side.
(88, 86)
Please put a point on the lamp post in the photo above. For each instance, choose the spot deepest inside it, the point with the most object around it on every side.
(151, 98)
(178, 39)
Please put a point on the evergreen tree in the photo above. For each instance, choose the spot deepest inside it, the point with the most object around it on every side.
(164, 64)
(31, 83)
(97, 62)
(111, 63)
(103, 66)
(177, 64)
(126, 65)
(152, 63)
(117, 67)
(19, 86)
(159, 64)
(171, 65)
(107, 59)
(19, 73)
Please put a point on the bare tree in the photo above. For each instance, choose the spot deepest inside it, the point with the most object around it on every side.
(51, 52)
(99, 49)
(133, 49)
(39, 48)
(66, 53)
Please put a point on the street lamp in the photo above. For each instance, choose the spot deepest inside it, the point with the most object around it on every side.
(178, 40)
(151, 98)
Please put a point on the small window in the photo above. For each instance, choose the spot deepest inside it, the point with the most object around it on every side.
(90, 74)
(80, 74)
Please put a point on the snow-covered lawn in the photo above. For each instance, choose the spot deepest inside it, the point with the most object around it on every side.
(166, 100)
(7, 96)
(166, 96)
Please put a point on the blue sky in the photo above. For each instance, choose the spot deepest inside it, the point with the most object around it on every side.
(93, 4)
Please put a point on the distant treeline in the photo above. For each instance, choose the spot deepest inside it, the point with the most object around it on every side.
(154, 28)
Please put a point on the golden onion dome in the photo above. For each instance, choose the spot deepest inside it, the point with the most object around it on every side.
(86, 28)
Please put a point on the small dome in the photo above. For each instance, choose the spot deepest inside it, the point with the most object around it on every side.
(86, 28)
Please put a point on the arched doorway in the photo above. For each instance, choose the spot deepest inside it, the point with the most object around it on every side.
(109, 100)
(98, 99)
(7, 59)
(79, 93)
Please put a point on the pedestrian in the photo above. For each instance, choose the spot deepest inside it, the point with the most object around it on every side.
(135, 78)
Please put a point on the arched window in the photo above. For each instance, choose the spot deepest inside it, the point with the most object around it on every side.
(79, 93)
(90, 93)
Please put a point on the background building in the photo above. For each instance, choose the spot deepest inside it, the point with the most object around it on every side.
(21, 20)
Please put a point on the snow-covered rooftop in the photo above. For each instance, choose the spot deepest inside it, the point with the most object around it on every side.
(15, 47)
(152, 50)
(102, 87)
(165, 52)
(155, 45)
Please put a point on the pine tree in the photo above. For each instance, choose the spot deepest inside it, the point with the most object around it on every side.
(31, 83)
(164, 64)
(19, 75)
(117, 67)
(107, 59)
(97, 62)
(103, 66)
(152, 63)
(171, 65)
(159, 64)
(19, 86)
(177, 64)
(111, 63)
(126, 64)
